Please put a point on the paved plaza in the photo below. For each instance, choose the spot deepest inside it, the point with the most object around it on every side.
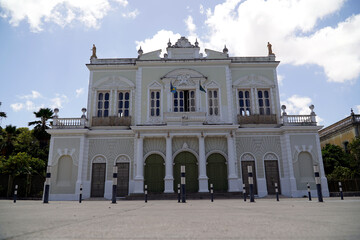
(196, 219)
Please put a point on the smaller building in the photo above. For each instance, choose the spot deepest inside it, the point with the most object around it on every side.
(342, 132)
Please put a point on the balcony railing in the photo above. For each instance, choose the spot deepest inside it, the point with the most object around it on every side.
(299, 120)
(257, 119)
(111, 121)
(69, 123)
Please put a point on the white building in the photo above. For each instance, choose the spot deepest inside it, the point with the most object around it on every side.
(134, 121)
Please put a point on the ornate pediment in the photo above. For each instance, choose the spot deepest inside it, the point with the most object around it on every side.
(182, 42)
(155, 84)
(212, 84)
(253, 80)
(247, 157)
(114, 82)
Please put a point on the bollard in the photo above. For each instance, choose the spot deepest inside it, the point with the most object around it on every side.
(183, 188)
(80, 195)
(341, 191)
(115, 171)
(212, 192)
(178, 193)
(251, 184)
(277, 192)
(47, 185)
(309, 193)
(244, 192)
(146, 193)
(318, 183)
(15, 193)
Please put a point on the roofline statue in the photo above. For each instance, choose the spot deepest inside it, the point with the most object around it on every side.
(270, 49)
(93, 52)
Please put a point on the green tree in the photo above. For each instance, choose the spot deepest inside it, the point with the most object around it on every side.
(340, 173)
(333, 156)
(21, 163)
(354, 156)
(8, 139)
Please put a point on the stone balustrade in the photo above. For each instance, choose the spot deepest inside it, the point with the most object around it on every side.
(69, 123)
(299, 120)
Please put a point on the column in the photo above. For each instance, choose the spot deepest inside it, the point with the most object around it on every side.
(169, 178)
(324, 185)
(232, 177)
(80, 165)
(293, 188)
(203, 179)
(256, 103)
(229, 92)
(139, 178)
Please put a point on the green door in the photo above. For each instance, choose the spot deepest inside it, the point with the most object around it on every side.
(188, 160)
(154, 173)
(216, 171)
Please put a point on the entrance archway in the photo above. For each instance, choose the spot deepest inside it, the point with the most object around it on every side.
(98, 179)
(248, 160)
(154, 173)
(188, 160)
(272, 173)
(216, 171)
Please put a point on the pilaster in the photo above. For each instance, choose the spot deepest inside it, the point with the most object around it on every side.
(139, 178)
(232, 177)
(203, 179)
(169, 178)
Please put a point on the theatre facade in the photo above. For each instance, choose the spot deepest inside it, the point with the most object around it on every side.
(213, 113)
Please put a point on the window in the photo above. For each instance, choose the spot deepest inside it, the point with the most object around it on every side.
(264, 102)
(244, 102)
(103, 104)
(184, 101)
(123, 104)
(155, 103)
(213, 100)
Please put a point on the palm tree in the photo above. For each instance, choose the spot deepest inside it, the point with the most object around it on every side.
(44, 114)
(41, 125)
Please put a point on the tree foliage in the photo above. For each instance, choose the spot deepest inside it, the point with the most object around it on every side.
(340, 165)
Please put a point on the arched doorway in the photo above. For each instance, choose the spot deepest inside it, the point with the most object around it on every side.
(98, 177)
(216, 171)
(248, 160)
(272, 173)
(188, 160)
(123, 167)
(154, 173)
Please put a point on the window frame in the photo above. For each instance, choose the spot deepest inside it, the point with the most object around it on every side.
(103, 102)
(265, 109)
(247, 109)
(124, 91)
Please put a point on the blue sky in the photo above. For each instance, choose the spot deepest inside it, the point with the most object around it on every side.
(44, 46)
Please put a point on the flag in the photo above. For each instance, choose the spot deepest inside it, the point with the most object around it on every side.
(201, 88)
(172, 88)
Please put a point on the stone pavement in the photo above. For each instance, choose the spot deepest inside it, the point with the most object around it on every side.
(196, 219)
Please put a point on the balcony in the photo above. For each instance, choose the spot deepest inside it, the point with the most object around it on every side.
(257, 119)
(69, 123)
(111, 121)
(298, 120)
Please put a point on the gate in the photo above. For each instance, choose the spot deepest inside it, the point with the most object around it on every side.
(122, 188)
(272, 176)
(188, 160)
(245, 174)
(154, 173)
(98, 180)
(216, 171)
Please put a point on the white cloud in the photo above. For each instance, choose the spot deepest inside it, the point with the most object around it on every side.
(61, 12)
(132, 14)
(201, 9)
(79, 92)
(357, 109)
(246, 27)
(158, 41)
(33, 95)
(17, 106)
(58, 100)
(190, 26)
(31, 106)
(123, 3)
(297, 105)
